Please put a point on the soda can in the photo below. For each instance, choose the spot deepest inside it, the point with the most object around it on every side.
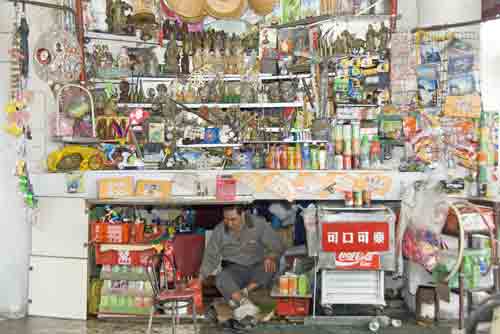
(355, 162)
(339, 162)
(348, 199)
(358, 199)
(367, 198)
(347, 162)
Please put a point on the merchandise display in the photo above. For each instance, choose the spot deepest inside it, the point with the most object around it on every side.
(310, 141)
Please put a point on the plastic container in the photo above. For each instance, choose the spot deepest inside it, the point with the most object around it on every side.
(225, 188)
(110, 233)
(292, 307)
(113, 257)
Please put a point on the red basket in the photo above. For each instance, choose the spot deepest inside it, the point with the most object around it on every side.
(292, 307)
(225, 188)
(110, 233)
(114, 257)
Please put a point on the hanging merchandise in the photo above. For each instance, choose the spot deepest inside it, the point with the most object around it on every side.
(225, 9)
(58, 57)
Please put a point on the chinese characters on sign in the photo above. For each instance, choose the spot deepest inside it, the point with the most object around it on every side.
(355, 237)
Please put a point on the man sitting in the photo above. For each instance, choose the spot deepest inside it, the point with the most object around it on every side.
(248, 249)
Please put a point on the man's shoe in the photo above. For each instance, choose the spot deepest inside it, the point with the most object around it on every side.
(247, 308)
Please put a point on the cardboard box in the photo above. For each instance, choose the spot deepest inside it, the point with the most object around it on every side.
(116, 187)
(153, 188)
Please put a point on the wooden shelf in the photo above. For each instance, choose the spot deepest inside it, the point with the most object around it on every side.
(208, 145)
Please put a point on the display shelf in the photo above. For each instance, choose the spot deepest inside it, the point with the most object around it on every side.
(371, 208)
(245, 105)
(122, 38)
(208, 145)
(114, 276)
(173, 201)
(324, 18)
(109, 315)
(275, 293)
(285, 142)
(78, 140)
(219, 105)
(351, 105)
(226, 77)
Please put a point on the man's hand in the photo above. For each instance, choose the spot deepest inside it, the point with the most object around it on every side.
(270, 264)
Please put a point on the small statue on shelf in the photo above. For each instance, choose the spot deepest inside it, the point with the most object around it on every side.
(339, 47)
(172, 56)
(383, 38)
(123, 59)
(371, 36)
(124, 91)
(117, 20)
(162, 94)
(151, 92)
(347, 39)
(198, 59)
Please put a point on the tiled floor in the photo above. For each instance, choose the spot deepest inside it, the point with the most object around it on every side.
(56, 326)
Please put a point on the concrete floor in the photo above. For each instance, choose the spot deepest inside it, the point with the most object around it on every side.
(57, 326)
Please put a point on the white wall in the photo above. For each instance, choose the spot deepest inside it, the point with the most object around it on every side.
(15, 229)
(433, 12)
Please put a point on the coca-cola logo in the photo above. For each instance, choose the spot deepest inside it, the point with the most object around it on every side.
(355, 257)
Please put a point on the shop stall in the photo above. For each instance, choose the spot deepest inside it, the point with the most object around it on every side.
(167, 110)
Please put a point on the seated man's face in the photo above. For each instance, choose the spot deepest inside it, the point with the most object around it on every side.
(232, 219)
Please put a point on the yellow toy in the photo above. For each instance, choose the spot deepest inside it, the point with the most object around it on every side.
(75, 157)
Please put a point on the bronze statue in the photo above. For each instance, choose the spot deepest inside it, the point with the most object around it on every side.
(371, 36)
(172, 56)
(383, 37)
(347, 38)
(124, 91)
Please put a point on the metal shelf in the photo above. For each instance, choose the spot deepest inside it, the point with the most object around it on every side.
(350, 105)
(173, 201)
(78, 140)
(106, 36)
(227, 77)
(208, 145)
(286, 142)
(219, 105)
(244, 105)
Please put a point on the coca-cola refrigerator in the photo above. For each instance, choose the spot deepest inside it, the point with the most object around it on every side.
(356, 248)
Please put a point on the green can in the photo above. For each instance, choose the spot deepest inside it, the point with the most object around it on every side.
(303, 285)
(358, 199)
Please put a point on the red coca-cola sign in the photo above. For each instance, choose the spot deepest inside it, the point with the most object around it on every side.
(357, 260)
(355, 237)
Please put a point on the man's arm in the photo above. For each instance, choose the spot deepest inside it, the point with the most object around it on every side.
(212, 255)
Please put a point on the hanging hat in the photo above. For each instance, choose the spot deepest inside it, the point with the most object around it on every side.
(226, 9)
(190, 11)
(262, 7)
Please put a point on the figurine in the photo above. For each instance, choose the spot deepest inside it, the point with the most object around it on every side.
(371, 35)
(172, 56)
(151, 92)
(123, 59)
(338, 47)
(383, 37)
(124, 91)
(111, 215)
(347, 38)
(117, 19)
(198, 59)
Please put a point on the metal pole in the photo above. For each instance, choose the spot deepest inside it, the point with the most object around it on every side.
(46, 5)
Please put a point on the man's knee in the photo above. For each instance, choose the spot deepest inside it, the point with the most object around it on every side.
(223, 279)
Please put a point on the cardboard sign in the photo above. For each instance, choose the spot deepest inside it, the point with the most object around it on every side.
(463, 106)
(357, 261)
(355, 237)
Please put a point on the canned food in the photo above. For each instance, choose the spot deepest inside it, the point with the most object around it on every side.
(367, 198)
(348, 198)
(292, 285)
(347, 162)
(284, 285)
(358, 198)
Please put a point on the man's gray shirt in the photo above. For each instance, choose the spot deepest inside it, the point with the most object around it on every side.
(255, 241)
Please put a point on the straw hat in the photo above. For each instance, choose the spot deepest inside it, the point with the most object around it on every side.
(190, 11)
(262, 7)
(226, 9)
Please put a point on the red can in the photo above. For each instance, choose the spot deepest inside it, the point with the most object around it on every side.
(347, 162)
(349, 199)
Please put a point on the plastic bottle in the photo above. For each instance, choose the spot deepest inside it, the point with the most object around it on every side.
(270, 158)
(476, 273)
(314, 158)
(330, 159)
(365, 153)
(322, 157)
(339, 140)
(306, 156)
(298, 157)
(467, 268)
(283, 157)
(375, 151)
(291, 157)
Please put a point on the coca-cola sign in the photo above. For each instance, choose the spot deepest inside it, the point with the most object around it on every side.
(357, 260)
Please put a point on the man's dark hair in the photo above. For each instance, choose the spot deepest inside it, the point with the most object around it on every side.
(239, 209)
